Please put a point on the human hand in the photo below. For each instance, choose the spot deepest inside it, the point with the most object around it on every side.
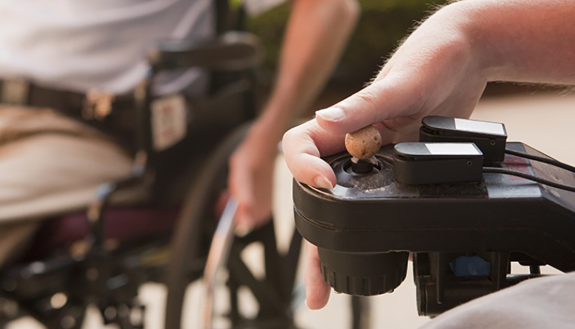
(251, 178)
(435, 71)
(442, 69)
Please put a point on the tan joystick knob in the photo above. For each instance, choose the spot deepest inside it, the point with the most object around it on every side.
(363, 143)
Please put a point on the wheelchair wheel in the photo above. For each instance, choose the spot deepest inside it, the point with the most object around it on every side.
(272, 292)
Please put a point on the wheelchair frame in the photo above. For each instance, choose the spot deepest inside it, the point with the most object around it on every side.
(56, 290)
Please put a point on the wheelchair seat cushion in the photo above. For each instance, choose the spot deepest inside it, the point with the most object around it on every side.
(120, 224)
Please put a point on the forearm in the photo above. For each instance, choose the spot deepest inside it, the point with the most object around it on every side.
(525, 41)
(315, 37)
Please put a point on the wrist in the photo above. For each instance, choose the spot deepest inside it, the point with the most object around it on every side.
(263, 138)
(513, 40)
(274, 120)
(467, 22)
(473, 27)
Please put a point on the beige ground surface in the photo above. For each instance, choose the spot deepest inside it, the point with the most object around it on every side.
(543, 121)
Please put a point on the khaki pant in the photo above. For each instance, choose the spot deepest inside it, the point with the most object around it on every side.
(49, 165)
(542, 303)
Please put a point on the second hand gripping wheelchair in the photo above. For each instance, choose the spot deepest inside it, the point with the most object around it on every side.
(162, 231)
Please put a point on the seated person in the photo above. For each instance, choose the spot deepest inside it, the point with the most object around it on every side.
(442, 68)
(53, 157)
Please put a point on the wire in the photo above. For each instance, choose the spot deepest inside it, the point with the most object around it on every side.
(494, 170)
(542, 159)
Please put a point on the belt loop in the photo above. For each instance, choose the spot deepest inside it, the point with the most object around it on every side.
(97, 105)
(15, 91)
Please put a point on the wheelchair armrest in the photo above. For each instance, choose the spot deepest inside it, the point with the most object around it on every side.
(106, 191)
(231, 51)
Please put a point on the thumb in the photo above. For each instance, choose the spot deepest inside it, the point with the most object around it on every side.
(317, 290)
(383, 100)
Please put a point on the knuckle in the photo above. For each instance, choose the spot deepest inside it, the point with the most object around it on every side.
(367, 98)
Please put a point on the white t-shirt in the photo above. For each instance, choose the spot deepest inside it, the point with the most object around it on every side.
(83, 44)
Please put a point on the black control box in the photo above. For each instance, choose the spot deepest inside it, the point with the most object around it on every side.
(462, 235)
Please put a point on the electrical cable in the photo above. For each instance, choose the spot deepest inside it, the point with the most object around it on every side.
(542, 159)
(504, 171)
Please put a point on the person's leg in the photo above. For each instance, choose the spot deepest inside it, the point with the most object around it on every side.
(49, 164)
(547, 302)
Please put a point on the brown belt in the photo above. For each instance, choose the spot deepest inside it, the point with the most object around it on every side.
(112, 114)
(21, 92)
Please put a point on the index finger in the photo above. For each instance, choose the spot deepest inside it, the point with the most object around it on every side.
(389, 98)
(303, 146)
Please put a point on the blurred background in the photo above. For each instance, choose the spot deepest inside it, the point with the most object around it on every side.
(530, 113)
(382, 27)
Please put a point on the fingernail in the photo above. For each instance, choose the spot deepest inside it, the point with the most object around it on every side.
(333, 114)
(322, 182)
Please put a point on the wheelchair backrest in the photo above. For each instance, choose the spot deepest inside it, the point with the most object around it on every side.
(175, 131)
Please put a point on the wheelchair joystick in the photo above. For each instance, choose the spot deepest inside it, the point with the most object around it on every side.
(362, 144)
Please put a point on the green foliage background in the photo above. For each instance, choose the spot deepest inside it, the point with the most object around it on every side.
(383, 24)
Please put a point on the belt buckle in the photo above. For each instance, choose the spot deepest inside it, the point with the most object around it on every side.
(97, 105)
(15, 91)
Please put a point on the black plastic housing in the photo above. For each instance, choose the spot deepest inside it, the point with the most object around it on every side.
(419, 163)
(363, 274)
(490, 137)
(369, 222)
